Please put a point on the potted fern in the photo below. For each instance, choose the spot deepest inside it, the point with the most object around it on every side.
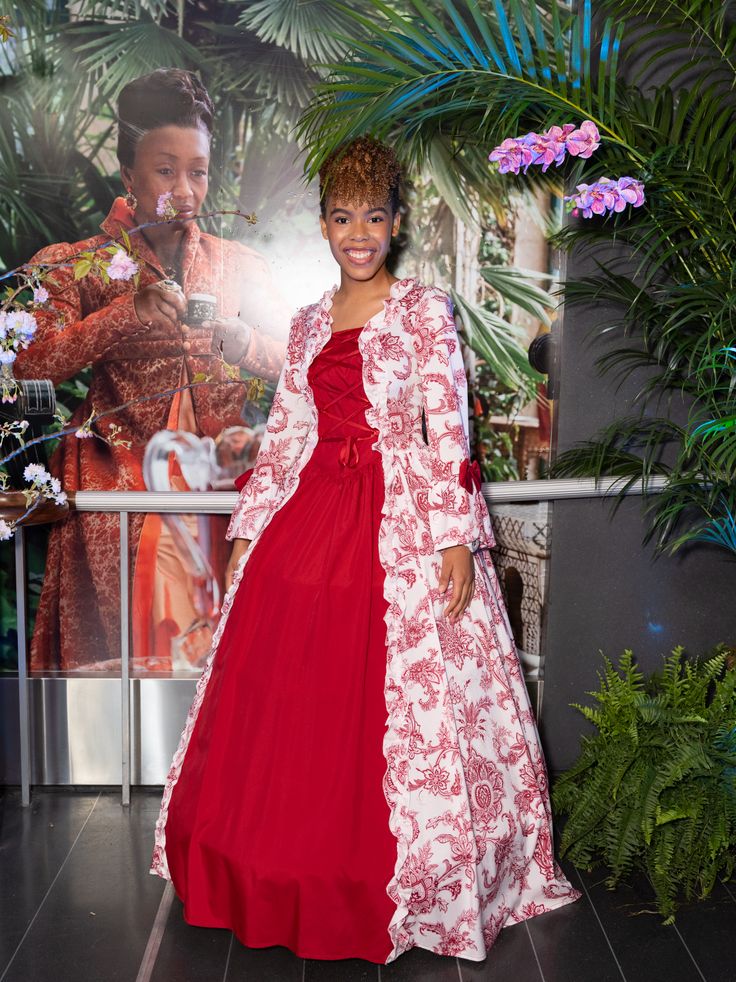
(654, 789)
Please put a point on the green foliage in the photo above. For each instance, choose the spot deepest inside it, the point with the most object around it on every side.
(654, 789)
(659, 81)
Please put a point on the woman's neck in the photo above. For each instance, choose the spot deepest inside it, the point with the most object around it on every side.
(362, 291)
(166, 242)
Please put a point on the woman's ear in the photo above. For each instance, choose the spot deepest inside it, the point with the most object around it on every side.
(396, 224)
(125, 176)
(323, 226)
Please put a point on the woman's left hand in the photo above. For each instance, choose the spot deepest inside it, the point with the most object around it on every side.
(457, 568)
(230, 338)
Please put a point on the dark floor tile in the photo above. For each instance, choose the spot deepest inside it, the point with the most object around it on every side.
(645, 947)
(708, 928)
(346, 970)
(511, 957)
(34, 842)
(263, 965)
(571, 947)
(420, 965)
(191, 954)
(95, 923)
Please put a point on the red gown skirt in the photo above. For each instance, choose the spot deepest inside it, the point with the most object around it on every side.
(277, 827)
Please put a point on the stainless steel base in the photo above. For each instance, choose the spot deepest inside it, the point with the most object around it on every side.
(75, 727)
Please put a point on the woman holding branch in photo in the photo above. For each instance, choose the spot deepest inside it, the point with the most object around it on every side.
(360, 772)
(139, 341)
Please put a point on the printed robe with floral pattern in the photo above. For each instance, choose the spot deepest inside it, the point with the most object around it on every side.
(90, 322)
(465, 776)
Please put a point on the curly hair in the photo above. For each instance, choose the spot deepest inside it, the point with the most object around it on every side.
(363, 171)
(165, 97)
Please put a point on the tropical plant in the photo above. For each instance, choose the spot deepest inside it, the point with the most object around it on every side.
(654, 789)
(470, 75)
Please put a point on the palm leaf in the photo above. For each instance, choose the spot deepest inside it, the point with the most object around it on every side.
(306, 28)
(499, 343)
(118, 53)
(516, 287)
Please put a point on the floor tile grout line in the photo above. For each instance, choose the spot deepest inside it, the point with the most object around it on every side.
(459, 970)
(534, 951)
(158, 929)
(726, 887)
(600, 924)
(692, 957)
(227, 963)
(51, 887)
(679, 935)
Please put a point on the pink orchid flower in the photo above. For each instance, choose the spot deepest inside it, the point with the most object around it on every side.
(510, 156)
(585, 141)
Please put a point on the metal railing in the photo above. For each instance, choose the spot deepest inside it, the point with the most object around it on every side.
(213, 503)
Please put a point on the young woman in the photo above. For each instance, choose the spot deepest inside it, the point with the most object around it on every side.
(138, 343)
(360, 771)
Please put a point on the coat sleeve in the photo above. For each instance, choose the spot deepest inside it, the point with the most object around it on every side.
(67, 340)
(287, 428)
(457, 510)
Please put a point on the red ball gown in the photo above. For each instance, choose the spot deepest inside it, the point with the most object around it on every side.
(278, 824)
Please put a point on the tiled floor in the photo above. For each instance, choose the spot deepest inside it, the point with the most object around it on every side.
(78, 905)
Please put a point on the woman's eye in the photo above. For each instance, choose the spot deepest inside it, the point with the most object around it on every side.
(165, 171)
(377, 218)
(199, 173)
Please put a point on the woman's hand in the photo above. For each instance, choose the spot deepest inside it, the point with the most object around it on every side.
(230, 338)
(240, 547)
(159, 307)
(457, 568)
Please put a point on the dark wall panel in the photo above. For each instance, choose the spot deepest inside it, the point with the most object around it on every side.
(608, 592)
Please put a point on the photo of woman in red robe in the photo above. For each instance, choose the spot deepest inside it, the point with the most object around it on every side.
(139, 345)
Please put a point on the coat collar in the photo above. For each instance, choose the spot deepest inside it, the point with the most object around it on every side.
(399, 289)
(121, 218)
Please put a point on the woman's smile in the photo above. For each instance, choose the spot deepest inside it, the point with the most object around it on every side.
(358, 256)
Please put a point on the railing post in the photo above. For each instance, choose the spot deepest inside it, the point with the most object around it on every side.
(124, 659)
(23, 705)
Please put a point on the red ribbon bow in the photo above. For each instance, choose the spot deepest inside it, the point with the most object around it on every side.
(241, 481)
(349, 456)
(470, 475)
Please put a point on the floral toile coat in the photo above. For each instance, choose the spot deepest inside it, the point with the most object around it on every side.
(465, 777)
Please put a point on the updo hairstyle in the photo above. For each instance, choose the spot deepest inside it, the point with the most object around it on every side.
(361, 171)
(165, 97)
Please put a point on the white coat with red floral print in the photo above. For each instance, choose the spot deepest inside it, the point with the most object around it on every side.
(465, 776)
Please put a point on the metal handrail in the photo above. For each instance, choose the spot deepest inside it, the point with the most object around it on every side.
(223, 502)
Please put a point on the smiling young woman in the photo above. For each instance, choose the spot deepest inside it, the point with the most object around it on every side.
(360, 771)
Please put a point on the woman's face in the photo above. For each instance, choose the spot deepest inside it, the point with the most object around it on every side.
(171, 159)
(359, 237)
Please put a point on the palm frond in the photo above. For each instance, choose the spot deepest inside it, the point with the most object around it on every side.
(516, 286)
(309, 29)
(112, 55)
(501, 344)
(418, 75)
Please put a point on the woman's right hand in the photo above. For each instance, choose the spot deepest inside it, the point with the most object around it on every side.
(157, 307)
(240, 547)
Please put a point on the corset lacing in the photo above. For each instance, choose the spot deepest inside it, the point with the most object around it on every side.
(335, 351)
